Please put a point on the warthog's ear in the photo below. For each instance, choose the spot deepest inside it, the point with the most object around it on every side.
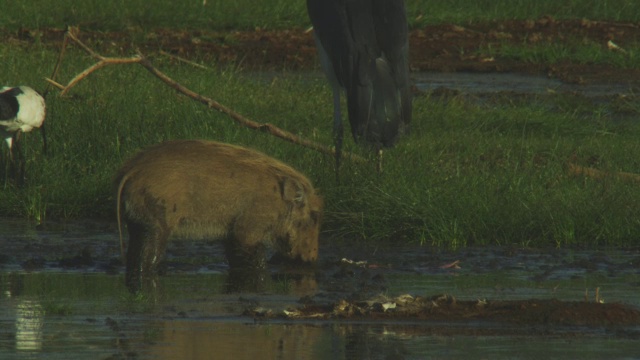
(292, 191)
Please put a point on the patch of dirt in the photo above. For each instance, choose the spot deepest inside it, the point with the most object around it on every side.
(447, 308)
(438, 48)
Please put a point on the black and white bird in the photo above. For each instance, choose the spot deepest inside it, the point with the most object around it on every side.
(21, 110)
(363, 47)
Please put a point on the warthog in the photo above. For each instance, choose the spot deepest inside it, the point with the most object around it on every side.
(204, 189)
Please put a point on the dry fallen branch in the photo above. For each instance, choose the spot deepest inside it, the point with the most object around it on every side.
(56, 68)
(186, 61)
(142, 60)
(601, 175)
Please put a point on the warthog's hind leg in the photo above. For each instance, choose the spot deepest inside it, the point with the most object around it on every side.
(146, 249)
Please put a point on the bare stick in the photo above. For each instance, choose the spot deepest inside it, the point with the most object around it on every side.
(72, 34)
(187, 61)
(601, 175)
(266, 127)
(100, 64)
(237, 117)
(54, 83)
(56, 68)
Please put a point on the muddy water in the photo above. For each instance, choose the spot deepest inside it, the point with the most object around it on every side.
(482, 83)
(62, 297)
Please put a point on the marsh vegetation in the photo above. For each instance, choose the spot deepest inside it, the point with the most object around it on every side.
(481, 169)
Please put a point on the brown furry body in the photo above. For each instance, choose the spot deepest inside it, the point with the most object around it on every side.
(204, 189)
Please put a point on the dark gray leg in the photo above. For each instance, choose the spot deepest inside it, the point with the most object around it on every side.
(146, 249)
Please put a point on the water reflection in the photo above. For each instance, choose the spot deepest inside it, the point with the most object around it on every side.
(29, 315)
(197, 313)
(209, 340)
(370, 343)
(29, 322)
(482, 83)
(206, 340)
(197, 319)
(189, 339)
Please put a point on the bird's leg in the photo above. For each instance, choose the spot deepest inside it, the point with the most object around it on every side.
(44, 139)
(9, 142)
(379, 160)
(17, 160)
(7, 166)
(8, 160)
(337, 130)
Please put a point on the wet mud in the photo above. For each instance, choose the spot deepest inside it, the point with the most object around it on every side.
(446, 308)
(362, 283)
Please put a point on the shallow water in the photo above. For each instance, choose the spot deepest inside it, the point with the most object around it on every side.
(55, 306)
(486, 84)
(483, 83)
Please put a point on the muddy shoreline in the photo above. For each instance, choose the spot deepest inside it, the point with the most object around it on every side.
(350, 280)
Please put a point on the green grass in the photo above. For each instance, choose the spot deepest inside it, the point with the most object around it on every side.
(564, 51)
(463, 11)
(485, 174)
(245, 14)
(471, 173)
